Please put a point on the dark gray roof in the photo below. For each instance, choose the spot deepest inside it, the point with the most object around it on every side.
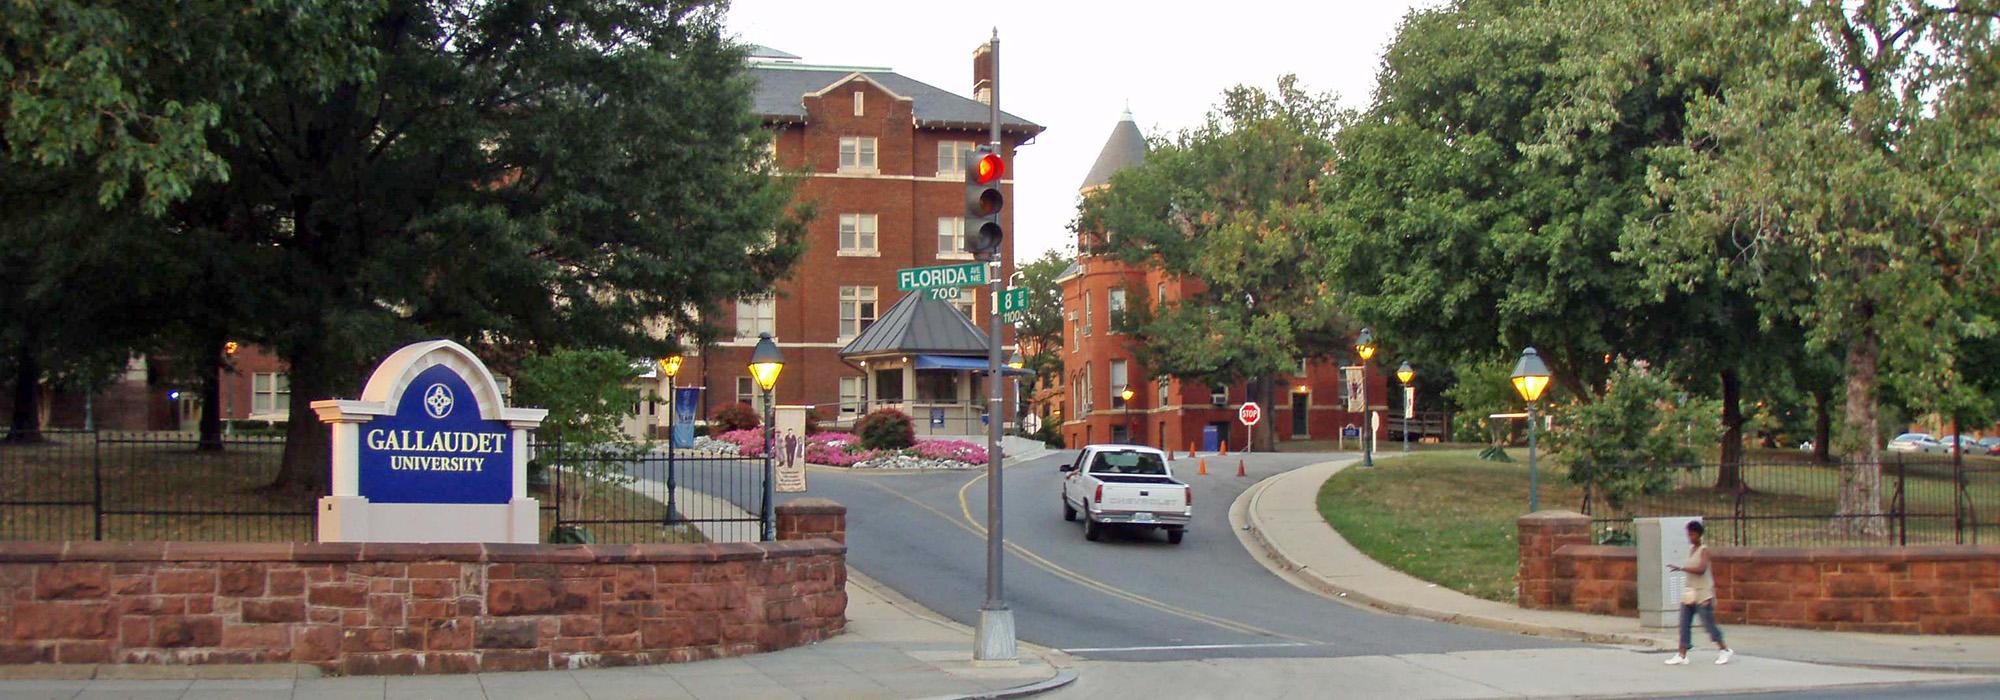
(1125, 147)
(762, 51)
(920, 324)
(781, 89)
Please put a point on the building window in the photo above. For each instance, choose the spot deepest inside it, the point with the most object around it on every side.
(860, 103)
(270, 392)
(1163, 394)
(756, 316)
(1089, 402)
(1218, 395)
(965, 306)
(857, 153)
(1119, 383)
(951, 237)
(857, 310)
(506, 388)
(1089, 318)
(850, 395)
(1160, 295)
(746, 392)
(857, 234)
(951, 157)
(1114, 308)
(1300, 371)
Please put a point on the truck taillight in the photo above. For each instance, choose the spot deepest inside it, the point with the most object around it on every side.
(1099, 498)
(1189, 492)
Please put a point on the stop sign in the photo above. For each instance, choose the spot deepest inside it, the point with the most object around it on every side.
(1250, 413)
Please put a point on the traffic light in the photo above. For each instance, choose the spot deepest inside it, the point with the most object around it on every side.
(983, 202)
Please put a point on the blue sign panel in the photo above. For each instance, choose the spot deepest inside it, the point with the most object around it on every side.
(1351, 432)
(436, 449)
(687, 400)
(937, 417)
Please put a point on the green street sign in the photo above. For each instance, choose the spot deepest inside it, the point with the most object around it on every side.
(1013, 300)
(911, 279)
(1012, 317)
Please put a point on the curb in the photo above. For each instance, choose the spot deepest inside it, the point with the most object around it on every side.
(1250, 530)
(1062, 678)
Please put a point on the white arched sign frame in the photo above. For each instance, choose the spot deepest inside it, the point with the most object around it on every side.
(347, 516)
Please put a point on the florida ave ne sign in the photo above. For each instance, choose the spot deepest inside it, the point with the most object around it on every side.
(911, 279)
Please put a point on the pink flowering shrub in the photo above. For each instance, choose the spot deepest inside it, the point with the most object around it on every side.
(841, 439)
(749, 443)
(955, 450)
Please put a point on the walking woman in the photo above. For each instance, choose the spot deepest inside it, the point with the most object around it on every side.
(1698, 598)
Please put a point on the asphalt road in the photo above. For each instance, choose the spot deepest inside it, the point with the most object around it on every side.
(1130, 597)
(1967, 691)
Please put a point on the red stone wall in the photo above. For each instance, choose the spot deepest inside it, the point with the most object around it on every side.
(1909, 590)
(404, 608)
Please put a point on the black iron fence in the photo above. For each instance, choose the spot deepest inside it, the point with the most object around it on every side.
(1922, 501)
(611, 495)
(101, 485)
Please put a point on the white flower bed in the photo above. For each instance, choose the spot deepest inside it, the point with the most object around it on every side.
(908, 462)
(709, 444)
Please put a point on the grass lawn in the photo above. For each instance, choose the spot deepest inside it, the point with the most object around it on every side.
(47, 491)
(1445, 517)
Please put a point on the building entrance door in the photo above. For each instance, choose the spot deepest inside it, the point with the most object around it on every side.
(1301, 421)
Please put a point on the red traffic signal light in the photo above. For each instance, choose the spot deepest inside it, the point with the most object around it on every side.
(989, 169)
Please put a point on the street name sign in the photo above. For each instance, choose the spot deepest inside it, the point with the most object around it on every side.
(1013, 300)
(1250, 413)
(911, 279)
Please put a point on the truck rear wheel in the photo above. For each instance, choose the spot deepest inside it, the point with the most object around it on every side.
(1174, 536)
(1091, 530)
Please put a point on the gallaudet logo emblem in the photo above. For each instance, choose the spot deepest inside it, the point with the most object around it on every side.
(438, 401)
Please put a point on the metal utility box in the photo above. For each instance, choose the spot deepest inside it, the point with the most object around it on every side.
(1661, 541)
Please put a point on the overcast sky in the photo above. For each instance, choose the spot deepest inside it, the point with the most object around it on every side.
(1073, 66)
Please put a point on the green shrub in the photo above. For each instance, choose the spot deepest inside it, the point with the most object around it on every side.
(734, 417)
(886, 429)
(1625, 443)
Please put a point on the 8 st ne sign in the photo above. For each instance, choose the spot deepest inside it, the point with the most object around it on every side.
(1250, 413)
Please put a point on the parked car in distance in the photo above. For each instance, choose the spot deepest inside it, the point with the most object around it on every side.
(1991, 444)
(1971, 446)
(1129, 485)
(1915, 442)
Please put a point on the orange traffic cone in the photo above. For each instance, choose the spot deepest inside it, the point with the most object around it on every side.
(1190, 447)
(1239, 468)
(1225, 448)
(1204, 467)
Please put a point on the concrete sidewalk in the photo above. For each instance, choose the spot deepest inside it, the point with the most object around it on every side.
(891, 649)
(1279, 521)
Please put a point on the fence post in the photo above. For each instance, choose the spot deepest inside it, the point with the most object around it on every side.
(1739, 511)
(1902, 518)
(96, 488)
(1958, 498)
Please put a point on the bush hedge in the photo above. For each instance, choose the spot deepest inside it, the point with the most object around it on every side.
(886, 429)
(736, 416)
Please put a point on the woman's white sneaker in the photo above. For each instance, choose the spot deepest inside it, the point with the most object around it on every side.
(1678, 660)
(1727, 654)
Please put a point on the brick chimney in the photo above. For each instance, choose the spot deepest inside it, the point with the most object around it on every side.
(982, 73)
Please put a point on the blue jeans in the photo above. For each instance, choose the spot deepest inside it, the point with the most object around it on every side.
(1707, 611)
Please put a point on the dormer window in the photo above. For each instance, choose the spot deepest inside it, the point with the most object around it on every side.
(860, 103)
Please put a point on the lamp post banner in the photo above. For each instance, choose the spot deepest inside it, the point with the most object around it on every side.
(687, 400)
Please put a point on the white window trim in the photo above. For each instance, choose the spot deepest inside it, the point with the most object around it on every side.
(277, 405)
(874, 236)
(756, 319)
(873, 150)
(955, 227)
(958, 150)
(850, 404)
(872, 295)
(860, 103)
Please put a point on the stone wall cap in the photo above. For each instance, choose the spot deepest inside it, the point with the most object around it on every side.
(812, 506)
(1552, 516)
(114, 551)
(355, 552)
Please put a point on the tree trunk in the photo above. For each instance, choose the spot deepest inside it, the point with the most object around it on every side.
(211, 406)
(308, 462)
(1823, 426)
(26, 426)
(1263, 435)
(1730, 476)
(1861, 475)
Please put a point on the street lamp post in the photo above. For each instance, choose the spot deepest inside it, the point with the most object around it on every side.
(765, 364)
(1364, 346)
(1127, 395)
(228, 399)
(670, 367)
(1531, 376)
(1014, 362)
(1406, 374)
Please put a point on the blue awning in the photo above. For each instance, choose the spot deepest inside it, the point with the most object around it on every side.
(963, 364)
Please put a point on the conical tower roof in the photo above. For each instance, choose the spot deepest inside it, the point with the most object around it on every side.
(1125, 147)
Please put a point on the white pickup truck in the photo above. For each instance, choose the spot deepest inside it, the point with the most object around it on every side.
(1125, 485)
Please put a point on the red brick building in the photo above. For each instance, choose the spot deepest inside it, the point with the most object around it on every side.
(1321, 395)
(881, 157)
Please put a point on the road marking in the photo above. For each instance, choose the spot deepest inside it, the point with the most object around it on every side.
(965, 509)
(1192, 647)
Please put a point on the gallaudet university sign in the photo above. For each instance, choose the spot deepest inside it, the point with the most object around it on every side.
(430, 453)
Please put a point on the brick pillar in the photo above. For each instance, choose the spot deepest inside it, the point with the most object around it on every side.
(808, 518)
(1543, 584)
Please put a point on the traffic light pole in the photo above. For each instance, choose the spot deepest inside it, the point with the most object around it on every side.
(995, 637)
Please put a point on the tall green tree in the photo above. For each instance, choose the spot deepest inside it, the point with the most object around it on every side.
(1227, 204)
(1856, 197)
(1042, 322)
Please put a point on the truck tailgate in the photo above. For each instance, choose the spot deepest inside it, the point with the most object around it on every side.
(1151, 497)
